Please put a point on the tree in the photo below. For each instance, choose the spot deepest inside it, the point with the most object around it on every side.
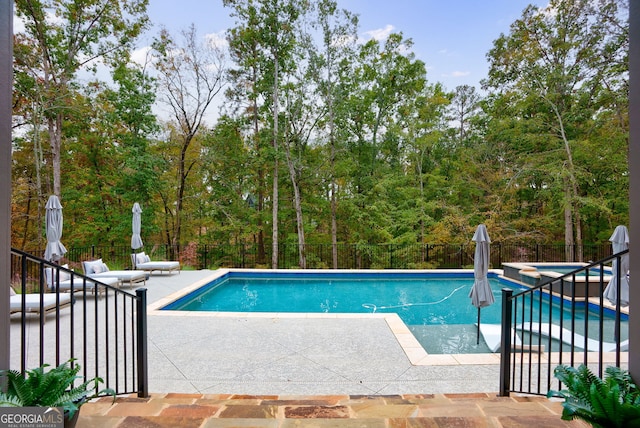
(553, 65)
(134, 123)
(191, 76)
(132, 126)
(465, 105)
(272, 32)
(426, 126)
(228, 212)
(385, 78)
(66, 36)
(244, 94)
(339, 34)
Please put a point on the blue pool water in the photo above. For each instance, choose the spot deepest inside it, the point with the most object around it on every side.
(418, 301)
(435, 306)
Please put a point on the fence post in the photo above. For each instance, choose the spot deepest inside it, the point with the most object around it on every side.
(505, 344)
(204, 256)
(141, 323)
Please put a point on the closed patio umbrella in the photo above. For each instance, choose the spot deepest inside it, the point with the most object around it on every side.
(53, 217)
(619, 242)
(481, 294)
(136, 240)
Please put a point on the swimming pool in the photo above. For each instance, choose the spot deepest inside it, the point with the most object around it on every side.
(435, 306)
(421, 299)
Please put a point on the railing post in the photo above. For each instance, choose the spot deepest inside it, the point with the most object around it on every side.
(505, 344)
(141, 323)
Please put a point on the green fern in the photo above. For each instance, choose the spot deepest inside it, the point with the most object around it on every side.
(52, 388)
(612, 402)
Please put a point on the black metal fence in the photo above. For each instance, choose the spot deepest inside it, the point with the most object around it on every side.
(350, 256)
(554, 323)
(101, 327)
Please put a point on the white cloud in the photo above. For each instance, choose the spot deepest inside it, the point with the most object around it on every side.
(141, 55)
(381, 33)
(217, 40)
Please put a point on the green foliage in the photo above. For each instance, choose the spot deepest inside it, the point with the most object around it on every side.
(612, 402)
(52, 388)
(375, 152)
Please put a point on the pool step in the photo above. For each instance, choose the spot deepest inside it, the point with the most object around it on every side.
(492, 334)
(546, 330)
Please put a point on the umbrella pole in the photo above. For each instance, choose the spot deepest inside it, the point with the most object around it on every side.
(478, 333)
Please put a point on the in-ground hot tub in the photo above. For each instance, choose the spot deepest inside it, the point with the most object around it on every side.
(581, 284)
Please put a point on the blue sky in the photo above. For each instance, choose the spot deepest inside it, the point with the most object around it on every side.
(452, 37)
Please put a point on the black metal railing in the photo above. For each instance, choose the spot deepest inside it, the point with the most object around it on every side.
(350, 256)
(563, 320)
(100, 326)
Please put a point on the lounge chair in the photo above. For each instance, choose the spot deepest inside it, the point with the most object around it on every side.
(64, 281)
(97, 269)
(144, 262)
(32, 302)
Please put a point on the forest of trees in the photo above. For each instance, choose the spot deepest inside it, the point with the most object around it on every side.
(319, 138)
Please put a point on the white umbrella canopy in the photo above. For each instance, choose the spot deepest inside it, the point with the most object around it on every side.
(136, 225)
(481, 294)
(53, 218)
(619, 242)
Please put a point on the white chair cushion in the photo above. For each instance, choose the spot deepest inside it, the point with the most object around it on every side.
(140, 257)
(92, 267)
(50, 273)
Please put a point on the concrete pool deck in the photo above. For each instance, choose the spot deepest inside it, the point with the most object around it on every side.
(311, 354)
(308, 354)
(285, 371)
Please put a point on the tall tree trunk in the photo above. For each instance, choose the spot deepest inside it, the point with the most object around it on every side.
(422, 213)
(55, 140)
(274, 233)
(261, 185)
(334, 214)
(260, 238)
(297, 202)
(568, 223)
(183, 172)
(39, 161)
(332, 160)
(571, 193)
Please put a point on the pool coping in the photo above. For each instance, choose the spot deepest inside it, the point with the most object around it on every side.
(407, 341)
